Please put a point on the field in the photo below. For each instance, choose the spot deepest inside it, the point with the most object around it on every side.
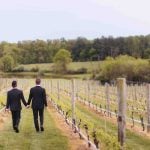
(72, 66)
(46, 71)
(90, 111)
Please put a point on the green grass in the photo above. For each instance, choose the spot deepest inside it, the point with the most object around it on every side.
(107, 140)
(46, 75)
(90, 65)
(47, 68)
(72, 66)
(2, 100)
(50, 139)
(133, 140)
(44, 66)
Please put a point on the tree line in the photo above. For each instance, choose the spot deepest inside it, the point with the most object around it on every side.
(81, 49)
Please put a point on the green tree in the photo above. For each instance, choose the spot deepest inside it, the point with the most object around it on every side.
(7, 63)
(61, 60)
(147, 53)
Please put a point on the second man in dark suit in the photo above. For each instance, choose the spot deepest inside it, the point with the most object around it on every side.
(38, 97)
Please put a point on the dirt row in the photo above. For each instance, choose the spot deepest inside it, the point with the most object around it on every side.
(75, 143)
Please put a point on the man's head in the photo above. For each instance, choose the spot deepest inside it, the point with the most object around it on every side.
(38, 81)
(14, 83)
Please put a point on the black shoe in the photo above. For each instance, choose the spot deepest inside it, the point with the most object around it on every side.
(16, 129)
(37, 130)
(42, 129)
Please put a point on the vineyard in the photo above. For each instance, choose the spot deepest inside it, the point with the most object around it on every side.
(99, 114)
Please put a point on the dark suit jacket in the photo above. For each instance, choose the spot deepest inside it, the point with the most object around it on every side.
(14, 97)
(38, 97)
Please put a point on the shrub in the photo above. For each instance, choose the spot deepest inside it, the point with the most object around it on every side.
(18, 69)
(78, 71)
(35, 69)
(61, 60)
(7, 63)
(41, 73)
(82, 70)
(124, 66)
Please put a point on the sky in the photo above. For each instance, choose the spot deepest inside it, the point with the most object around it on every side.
(54, 19)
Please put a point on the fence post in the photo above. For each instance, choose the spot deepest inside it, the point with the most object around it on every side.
(148, 106)
(121, 91)
(51, 86)
(88, 91)
(77, 90)
(73, 99)
(58, 90)
(107, 98)
(135, 91)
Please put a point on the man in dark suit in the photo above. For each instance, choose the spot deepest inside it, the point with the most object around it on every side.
(38, 97)
(14, 97)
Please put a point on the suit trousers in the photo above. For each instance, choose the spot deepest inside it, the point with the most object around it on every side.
(36, 113)
(16, 118)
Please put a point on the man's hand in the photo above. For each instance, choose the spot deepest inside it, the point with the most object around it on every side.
(28, 106)
(46, 107)
(6, 110)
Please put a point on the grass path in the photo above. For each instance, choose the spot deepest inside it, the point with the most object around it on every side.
(28, 139)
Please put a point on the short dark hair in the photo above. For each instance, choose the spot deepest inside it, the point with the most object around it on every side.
(14, 83)
(38, 81)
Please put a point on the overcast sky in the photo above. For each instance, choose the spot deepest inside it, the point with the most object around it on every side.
(51, 19)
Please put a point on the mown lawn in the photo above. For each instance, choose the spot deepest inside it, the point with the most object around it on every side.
(28, 139)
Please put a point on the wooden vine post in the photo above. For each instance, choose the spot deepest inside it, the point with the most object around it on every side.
(121, 91)
(51, 86)
(58, 90)
(85, 84)
(88, 92)
(77, 90)
(73, 100)
(148, 107)
(107, 98)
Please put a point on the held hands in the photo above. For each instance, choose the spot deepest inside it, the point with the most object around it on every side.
(6, 110)
(46, 107)
(28, 106)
